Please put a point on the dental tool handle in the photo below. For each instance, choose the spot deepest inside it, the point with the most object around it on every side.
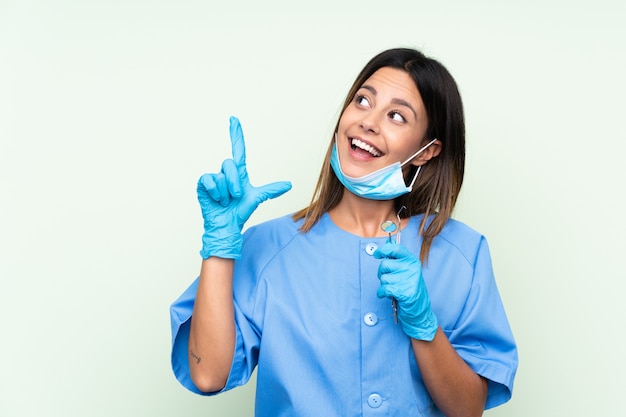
(394, 306)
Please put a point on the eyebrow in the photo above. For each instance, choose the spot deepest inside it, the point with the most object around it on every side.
(397, 101)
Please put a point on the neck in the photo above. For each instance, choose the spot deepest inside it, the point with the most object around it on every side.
(362, 217)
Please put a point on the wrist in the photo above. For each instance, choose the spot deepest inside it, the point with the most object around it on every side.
(424, 327)
(222, 245)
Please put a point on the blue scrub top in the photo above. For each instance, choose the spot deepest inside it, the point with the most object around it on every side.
(307, 315)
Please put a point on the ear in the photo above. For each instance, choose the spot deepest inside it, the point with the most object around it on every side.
(431, 152)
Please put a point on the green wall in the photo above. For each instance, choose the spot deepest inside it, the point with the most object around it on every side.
(110, 110)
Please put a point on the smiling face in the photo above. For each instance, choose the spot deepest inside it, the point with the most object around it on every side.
(385, 122)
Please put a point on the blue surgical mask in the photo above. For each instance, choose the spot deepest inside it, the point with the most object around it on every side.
(386, 183)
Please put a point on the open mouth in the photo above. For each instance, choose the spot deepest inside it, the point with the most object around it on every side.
(359, 144)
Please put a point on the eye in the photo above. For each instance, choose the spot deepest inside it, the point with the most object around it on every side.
(362, 101)
(397, 116)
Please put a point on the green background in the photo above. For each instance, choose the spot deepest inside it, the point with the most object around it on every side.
(110, 111)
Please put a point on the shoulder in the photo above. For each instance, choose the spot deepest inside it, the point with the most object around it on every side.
(263, 245)
(456, 232)
(263, 241)
(280, 228)
(460, 238)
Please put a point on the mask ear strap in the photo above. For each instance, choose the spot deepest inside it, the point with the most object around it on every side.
(419, 167)
(422, 149)
(415, 176)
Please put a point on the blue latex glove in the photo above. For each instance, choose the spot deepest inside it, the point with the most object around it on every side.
(400, 274)
(227, 200)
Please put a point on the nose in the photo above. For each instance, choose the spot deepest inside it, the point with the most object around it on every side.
(370, 123)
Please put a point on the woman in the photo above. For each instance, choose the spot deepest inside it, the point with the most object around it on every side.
(343, 316)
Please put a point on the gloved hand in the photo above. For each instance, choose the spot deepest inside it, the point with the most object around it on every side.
(400, 274)
(227, 200)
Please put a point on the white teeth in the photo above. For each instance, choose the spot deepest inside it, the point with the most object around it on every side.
(365, 147)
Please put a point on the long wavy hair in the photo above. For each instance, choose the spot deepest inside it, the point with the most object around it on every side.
(437, 188)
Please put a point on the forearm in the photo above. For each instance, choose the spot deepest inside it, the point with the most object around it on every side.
(455, 388)
(212, 332)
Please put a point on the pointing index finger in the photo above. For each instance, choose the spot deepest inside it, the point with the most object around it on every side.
(237, 143)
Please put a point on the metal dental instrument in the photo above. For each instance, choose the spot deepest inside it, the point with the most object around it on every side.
(389, 226)
(399, 224)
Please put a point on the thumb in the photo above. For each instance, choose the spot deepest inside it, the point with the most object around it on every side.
(273, 190)
(257, 195)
